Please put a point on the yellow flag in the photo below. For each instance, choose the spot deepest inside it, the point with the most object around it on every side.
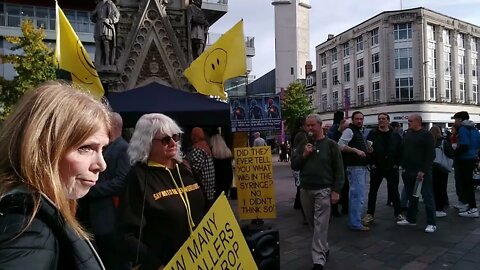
(73, 60)
(224, 60)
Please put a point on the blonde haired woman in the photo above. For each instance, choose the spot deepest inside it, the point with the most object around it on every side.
(162, 202)
(222, 161)
(50, 155)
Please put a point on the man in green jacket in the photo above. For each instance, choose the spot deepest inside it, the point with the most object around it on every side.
(319, 161)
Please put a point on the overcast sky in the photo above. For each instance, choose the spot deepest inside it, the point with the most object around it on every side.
(325, 18)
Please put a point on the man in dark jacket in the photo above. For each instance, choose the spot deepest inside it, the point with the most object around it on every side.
(97, 210)
(384, 161)
(321, 178)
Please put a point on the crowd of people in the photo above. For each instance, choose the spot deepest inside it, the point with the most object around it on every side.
(334, 166)
(75, 195)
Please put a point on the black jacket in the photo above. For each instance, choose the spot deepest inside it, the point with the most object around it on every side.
(47, 243)
(387, 148)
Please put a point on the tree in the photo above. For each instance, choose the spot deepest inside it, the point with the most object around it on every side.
(33, 63)
(296, 103)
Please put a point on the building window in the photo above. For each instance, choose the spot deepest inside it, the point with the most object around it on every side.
(359, 43)
(324, 79)
(334, 54)
(432, 60)
(404, 89)
(291, 71)
(375, 63)
(447, 59)
(446, 36)
(374, 34)
(448, 90)
(346, 49)
(323, 59)
(346, 72)
(402, 31)
(461, 93)
(461, 40)
(376, 92)
(461, 64)
(360, 68)
(433, 88)
(335, 76)
(360, 95)
(324, 103)
(474, 67)
(474, 44)
(475, 93)
(335, 100)
(403, 59)
(430, 32)
(346, 98)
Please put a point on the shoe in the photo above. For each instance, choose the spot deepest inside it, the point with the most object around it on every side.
(400, 217)
(405, 222)
(317, 266)
(430, 228)
(367, 220)
(440, 214)
(462, 207)
(472, 212)
(361, 229)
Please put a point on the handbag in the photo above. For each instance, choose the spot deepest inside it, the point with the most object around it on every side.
(441, 159)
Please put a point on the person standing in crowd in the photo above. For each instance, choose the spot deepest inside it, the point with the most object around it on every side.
(51, 155)
(384, 162)
(222, 161)
(354, 148)
(258, 141)
(417, 160)
(440, 174)
(299, 135)
(466, 154)
(321, 178)
(156, 215)
(334, 132)
(99, 206)
(201, 160)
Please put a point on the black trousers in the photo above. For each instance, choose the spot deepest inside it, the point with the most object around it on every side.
(376, 178)
(464, 176)
(440, 182)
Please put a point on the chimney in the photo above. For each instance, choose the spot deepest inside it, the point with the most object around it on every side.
(330, 36)
(308, 67)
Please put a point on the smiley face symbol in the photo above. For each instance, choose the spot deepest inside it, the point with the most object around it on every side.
(215, 64)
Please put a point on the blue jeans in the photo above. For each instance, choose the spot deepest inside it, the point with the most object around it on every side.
(409, 179)
(357, 178)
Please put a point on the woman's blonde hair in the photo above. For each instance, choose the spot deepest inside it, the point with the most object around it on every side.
(145, 129)
(48, 122)
(220, 149)
(436, 132)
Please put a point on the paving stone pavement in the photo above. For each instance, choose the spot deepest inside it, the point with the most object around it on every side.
(455, 244)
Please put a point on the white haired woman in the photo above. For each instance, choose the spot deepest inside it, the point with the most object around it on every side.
(222, 161)
(162, 202)
(50, 156)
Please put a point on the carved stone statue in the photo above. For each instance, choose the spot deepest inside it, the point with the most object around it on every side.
(198, 26)
(105, 16)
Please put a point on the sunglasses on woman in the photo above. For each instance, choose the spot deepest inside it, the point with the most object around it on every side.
(166, 140)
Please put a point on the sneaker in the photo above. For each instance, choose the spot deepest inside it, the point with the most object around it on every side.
(405, 222)
(430, 228)
(361, 229)
(367, 220)
(462, 207)
(400, 217)
(472, 212)
(440, 214)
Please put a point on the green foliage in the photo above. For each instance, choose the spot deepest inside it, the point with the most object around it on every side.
(296, 103)
(33, 61)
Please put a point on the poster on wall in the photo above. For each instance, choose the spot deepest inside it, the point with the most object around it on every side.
(256, 113)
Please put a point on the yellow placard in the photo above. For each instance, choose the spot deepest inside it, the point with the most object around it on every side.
(254, 176)
(216, 243)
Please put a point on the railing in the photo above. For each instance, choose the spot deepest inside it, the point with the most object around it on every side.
(213, 37)
(224, 2)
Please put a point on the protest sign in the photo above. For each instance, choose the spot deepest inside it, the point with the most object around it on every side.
(217, 243)
(256, 195)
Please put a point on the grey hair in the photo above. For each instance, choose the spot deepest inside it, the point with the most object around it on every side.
(220, 149)
(147, 126)
(316, 116)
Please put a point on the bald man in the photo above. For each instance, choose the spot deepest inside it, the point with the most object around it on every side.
(417, 160)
